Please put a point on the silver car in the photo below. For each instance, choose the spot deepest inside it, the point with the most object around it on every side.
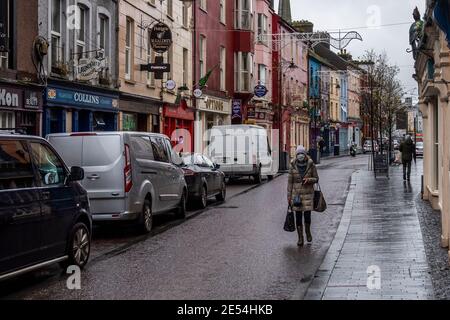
(129, 176)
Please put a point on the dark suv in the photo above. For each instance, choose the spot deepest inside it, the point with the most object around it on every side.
(44, 211)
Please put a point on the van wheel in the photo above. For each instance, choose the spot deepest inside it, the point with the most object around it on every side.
(270, 177)
(79, 246)
(203, 201)
(223, 193)
(146, 218)
(181, 211)
(258, 177)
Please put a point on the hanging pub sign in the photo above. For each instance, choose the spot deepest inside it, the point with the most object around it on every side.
(160, 37)
(260, 91)
(88, 69)
(236, 109)
(4, 26)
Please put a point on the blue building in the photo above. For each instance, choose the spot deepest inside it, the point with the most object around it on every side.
(343, 131)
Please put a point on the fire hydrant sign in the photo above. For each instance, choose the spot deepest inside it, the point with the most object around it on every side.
(161, 37)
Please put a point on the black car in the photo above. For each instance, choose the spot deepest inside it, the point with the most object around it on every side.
(44, 211)
(204, 179)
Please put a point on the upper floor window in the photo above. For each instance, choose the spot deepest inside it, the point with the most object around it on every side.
(81, 33)
(5, 29)
(185, 14)
(202, 49)
(222, 17)
(169, 8)
(150, 59)
(262, 74)
(129, 30)
(103, 25)
(185, 66)
(57, 56)
(223, 66)
(244, 14)
(243, 71)
(262, 28)
(203, 4)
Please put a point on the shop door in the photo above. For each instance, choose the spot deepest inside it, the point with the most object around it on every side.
(142, 123)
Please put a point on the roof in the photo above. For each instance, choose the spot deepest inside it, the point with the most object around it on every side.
(331, 56)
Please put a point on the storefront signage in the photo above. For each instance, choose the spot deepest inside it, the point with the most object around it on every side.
(32, 100)
(260, 91)
(88, 69)
(80, 99)
(215, 105)
(236, 107)
(9, 98)
(251, 113)
(161, 37)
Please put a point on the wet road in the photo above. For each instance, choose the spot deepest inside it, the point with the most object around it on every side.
(235, 250)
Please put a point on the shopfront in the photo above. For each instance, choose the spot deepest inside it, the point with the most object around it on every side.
(212, 111)
(179, 125)
(79, 110)
(21, 108)
(139, 114)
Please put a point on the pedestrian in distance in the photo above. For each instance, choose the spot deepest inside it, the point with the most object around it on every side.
(302, 178)
(408, 150)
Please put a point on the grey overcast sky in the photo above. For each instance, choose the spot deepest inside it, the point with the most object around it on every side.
(364, 16)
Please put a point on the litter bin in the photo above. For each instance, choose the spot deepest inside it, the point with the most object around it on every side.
(337, 150)
(314, 154)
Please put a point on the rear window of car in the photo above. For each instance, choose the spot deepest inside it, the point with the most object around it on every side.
(101, 150)
(16, 170)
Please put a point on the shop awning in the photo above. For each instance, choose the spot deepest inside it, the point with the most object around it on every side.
(442, 17)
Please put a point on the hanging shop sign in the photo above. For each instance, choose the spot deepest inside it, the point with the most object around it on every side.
(158, 68)
(160, 37)
(171, 85)
(198, 93)
(32, 99)
(236, 109)
(88, 69)
(260, 91)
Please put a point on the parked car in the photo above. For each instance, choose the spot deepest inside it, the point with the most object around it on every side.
(204, 179)
(44, 211)
(368, 146)
(130, 176)
(242, 150)
(419, 149)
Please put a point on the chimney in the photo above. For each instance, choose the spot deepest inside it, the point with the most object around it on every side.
(303, 26)
(284, 10)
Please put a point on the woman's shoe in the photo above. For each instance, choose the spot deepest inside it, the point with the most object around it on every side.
(301, 241)
(308, 233)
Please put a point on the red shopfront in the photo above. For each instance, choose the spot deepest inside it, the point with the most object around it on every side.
(179, 122)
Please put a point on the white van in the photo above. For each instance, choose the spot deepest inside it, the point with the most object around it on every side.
(242, 150)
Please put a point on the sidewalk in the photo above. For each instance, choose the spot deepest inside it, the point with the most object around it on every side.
(379, 230)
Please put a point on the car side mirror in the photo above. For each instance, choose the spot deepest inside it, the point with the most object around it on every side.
(76, 174)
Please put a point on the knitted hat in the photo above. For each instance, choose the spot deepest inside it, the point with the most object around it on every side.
(301, 149)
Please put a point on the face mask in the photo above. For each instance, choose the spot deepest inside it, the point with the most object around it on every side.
(301, 157)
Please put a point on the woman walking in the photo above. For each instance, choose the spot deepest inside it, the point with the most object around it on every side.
(302, 177)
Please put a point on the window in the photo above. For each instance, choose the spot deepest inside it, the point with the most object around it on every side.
(203, 4)
(168, 56)
(150, 59)
(142, 147)
(56, 31)
(128, 48)
(262, 74)
(159, 150)
(81, 32)
(202, 50)
(169, 8)
(185, 15)
(262, 29)
(223, 68)
(185, 66)
(223, 17)
(104, 34)
(4, 56)
(129, 122)
(50, 168)
(243, 71)
(7, 120)
(16, 170)
(243, 14)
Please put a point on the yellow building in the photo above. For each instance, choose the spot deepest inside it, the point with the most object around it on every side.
(433, 76)
(143, 98)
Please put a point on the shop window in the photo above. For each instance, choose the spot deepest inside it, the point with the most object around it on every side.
(7, 120)
(99, 122)
(16, 170)
(129, 122)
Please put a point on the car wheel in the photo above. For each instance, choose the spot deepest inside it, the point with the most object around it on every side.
(223, 193)
(258, 177)
(79, 245)
(181, 211)
(146, 218)
(203, 201)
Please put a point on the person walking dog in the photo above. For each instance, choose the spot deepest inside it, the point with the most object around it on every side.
(302, 178)
(408, 150)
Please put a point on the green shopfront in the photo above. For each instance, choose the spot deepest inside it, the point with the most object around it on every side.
(79, 110)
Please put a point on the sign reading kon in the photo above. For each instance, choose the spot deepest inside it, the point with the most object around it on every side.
(8, 99)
